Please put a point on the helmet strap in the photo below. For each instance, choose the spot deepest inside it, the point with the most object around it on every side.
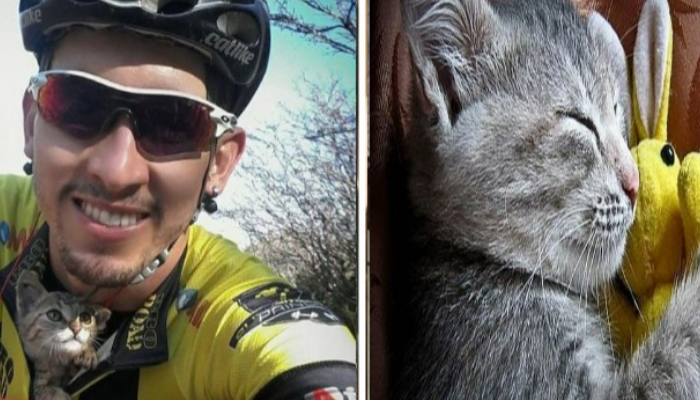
(150, 268)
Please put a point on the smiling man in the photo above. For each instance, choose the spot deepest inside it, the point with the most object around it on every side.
(130, 126)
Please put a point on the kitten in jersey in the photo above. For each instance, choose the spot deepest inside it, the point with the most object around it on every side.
(523, 190)
(58, 332)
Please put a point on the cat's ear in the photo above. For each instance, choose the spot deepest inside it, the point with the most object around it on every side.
(101, 316)
(445, 37)
(29, 290)
(604, 34)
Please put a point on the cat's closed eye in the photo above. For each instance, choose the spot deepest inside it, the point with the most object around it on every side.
(582, 119)
(54, 315)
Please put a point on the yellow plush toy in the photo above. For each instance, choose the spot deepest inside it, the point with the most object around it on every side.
(665, 235)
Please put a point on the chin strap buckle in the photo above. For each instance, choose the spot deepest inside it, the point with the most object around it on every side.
(151, 268)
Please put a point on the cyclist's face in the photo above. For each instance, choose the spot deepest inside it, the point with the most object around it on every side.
(110, 209)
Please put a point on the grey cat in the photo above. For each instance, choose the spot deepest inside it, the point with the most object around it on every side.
(58, 332)
(523, 190)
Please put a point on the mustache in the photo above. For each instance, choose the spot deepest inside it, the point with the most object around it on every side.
(128, 196)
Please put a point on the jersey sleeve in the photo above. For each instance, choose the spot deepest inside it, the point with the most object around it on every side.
(253, 336)
(288, 345)
(19, 215)
(318, 381)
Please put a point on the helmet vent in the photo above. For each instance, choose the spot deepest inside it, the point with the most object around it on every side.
(241, 26)
(170, 7)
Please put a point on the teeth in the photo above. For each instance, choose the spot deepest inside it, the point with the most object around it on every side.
(107, 218)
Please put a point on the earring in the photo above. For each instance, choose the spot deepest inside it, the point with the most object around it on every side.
(208, 201)
(28, 168)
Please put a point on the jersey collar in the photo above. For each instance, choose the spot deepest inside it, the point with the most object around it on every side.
(140, 340)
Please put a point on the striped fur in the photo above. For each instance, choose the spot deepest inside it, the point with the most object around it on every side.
(58, 332)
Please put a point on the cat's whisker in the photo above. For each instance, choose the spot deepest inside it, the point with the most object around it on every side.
(548, 249)
(608, 322)
(587, 251)
(555, 220)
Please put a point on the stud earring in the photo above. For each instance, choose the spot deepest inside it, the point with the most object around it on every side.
(208, 202)
(28, 168)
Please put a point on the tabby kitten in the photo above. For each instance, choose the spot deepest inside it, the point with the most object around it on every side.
(58, 332)
(523, 189)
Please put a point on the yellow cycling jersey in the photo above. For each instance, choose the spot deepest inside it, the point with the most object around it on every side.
(222, 326)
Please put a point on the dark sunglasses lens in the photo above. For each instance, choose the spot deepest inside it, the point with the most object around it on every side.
(167, 125)
(75, 105)
(171, 125)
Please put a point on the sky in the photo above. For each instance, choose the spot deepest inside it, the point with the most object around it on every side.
(292, 59)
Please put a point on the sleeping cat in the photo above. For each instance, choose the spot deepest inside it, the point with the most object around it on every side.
(58, 332)
(523, 191)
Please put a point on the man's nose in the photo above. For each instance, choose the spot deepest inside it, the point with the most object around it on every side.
(115, 160)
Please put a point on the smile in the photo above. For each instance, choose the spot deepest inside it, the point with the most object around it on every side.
(110, 219)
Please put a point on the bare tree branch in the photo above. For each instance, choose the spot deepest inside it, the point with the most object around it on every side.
(332, 25)
(302, 217)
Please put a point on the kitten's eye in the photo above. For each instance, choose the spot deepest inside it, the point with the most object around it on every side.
(85, 318)
(54, 315)
(582, 119)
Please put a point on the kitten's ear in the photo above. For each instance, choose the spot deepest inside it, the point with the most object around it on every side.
(603, 33)
(29, 289)
(445, 36)
(101, 316)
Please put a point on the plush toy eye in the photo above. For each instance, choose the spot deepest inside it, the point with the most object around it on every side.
(54, 315)
(668, 155)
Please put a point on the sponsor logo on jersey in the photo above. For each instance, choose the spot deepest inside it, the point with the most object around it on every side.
(332, 393)
(7, 370)
(142, 330)
(16, 239)
(34, 258)
(278, 303)
(186, 299)
(197, 314)
(232, 48)
(4, 232)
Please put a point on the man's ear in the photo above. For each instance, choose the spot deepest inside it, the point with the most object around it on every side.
(29, 109)
(229, 150)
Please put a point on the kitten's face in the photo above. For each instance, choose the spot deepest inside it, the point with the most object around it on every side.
(55, 324)
(63, 324)
(531, 162)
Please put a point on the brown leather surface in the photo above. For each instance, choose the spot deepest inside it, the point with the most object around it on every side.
(392, 106)
(384, 170)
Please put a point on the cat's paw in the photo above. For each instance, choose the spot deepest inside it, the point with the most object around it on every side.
(87, 359)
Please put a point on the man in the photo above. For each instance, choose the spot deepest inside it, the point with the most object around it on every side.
(125, 151)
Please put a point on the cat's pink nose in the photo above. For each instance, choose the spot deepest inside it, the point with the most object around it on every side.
(75, 326)
(630, 184)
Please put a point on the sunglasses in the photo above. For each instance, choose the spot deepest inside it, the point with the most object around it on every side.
(164, 123)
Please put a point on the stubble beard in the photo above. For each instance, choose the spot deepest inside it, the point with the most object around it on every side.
(106, 272)
(95, 270)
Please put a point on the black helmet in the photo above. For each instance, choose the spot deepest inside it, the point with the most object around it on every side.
(234, 35)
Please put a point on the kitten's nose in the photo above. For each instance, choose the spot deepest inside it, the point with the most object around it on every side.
(75, 326)
(630, 184)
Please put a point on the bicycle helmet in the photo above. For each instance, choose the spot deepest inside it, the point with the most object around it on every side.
(233, 35)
